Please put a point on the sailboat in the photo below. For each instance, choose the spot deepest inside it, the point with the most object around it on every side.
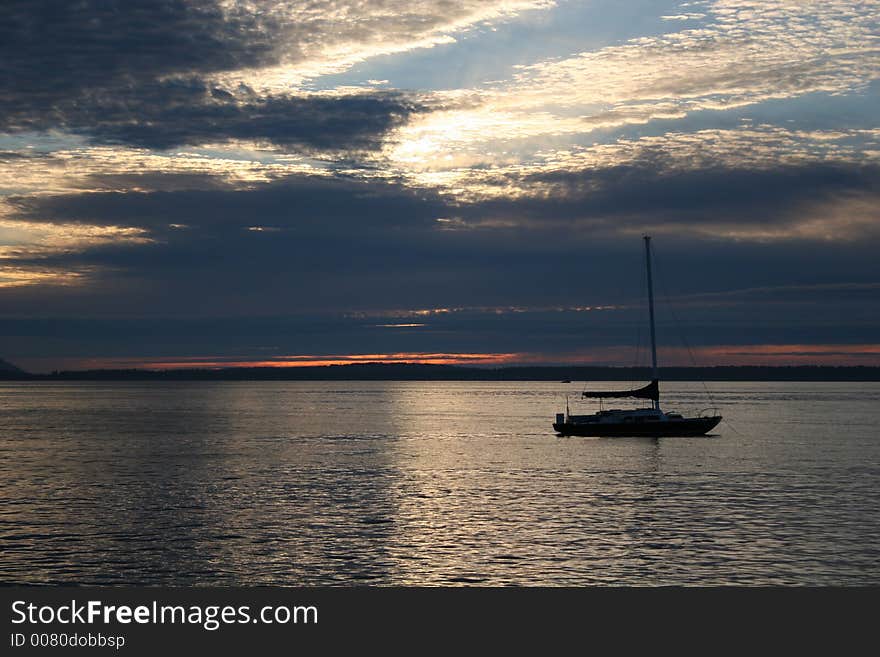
(640, 421)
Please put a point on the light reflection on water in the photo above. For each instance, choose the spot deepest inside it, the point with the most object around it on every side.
(291, 483)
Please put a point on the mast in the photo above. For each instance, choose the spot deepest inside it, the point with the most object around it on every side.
(654, 373)
(652, 390)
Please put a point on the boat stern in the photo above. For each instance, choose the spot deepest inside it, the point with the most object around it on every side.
(559, 424)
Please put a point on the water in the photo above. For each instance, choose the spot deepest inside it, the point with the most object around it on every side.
(437, 483)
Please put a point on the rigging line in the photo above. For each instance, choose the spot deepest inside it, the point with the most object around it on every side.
(730, 424)
(678, 325)
(662, 281)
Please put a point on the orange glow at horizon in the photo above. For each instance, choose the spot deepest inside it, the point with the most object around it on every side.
(213, 362)
(708, 356)
(779, 355)
(792, 354)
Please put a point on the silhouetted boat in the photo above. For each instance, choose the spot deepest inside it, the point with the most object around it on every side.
(640, 421)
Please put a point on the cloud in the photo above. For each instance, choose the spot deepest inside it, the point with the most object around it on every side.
(29, 250)
(36, 239)
(54, 50)
(145, 72)
(173, 113)
(333, 36)
(343, 229)
(26, 275)
(369, 245)
(747, 52)
(757, 183)
(105, 168)
(312, 204)
(179, 163)
(51, 50)
(363, 237)
(374, 237)
(617, 338)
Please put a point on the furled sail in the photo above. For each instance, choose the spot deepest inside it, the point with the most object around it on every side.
(650, 391)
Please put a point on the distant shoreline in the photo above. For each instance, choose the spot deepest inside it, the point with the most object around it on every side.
(417, 372)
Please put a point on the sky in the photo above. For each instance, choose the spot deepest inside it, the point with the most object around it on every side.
(226, 182)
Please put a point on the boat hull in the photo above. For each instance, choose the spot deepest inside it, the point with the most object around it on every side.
(697, 426)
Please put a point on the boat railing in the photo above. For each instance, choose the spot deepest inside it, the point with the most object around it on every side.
(709, 412)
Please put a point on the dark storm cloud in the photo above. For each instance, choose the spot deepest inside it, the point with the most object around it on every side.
(348, 243)
(51, 50)
(179, 112)
(651, 193)
(355, 222)
(311, 205)
(133, 72)
(216, 288)
(326, 240)
(547, 333)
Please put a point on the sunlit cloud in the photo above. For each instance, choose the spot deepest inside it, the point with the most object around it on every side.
(401, 313)
(12, 276)
(23, 244)
(684, 17)
(35, 239)
(322, 38)
(593, 172)
(401, 326)
(105, 168)
(748, 52)
(750, 147)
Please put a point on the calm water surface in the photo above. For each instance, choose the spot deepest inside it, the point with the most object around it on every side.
(431, 483)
